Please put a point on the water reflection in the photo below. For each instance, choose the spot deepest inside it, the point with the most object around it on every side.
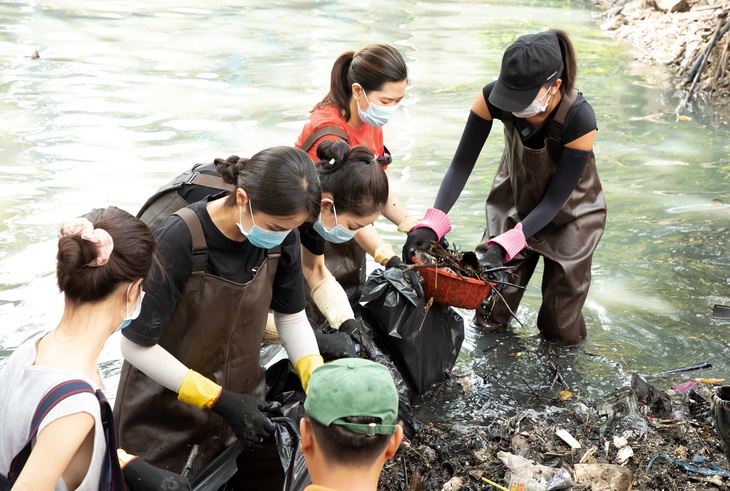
(128, 94)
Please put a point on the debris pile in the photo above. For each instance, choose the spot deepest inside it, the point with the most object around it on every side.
(689, 36)
(637, 438)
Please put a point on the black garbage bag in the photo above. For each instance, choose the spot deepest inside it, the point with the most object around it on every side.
(422, 340)
(365, 347)
(215, 475)
(285, 388)
(288, 441)
(370, 350)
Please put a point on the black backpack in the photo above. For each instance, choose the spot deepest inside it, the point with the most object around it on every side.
(201, 181)
(197, 183)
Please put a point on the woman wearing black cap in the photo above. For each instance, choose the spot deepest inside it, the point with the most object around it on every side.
(546, 200)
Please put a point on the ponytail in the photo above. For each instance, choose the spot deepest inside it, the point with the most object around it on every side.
(570, 64)
(371, 67)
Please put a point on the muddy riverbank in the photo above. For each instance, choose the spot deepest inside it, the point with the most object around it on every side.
(690, 37)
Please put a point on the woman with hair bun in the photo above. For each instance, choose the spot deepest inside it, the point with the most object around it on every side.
(366, 88)
(354, 192)
(191, 374)
(56, 430)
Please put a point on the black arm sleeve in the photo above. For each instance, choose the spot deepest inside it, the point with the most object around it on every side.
(566, 177)
(472, 140)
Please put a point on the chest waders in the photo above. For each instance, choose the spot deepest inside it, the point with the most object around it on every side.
(566, 244)
(216, 330)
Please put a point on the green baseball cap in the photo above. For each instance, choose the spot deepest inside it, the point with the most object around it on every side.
(353, 387)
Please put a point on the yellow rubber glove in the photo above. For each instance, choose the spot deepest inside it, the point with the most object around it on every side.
(383, 254)
(304, 367)
(407, 224)
(124, 458)
(198, 391)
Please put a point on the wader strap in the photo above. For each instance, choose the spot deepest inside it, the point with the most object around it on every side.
(556, 126)
(274, 253)
(49, 401)
(323, 131)
(200, 247)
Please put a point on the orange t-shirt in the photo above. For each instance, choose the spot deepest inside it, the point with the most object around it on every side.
(369, 136)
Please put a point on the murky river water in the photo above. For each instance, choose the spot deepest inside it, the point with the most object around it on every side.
(127, 94)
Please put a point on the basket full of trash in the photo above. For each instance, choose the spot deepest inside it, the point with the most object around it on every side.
(452, 277)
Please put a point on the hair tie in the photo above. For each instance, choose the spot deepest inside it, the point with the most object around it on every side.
(97, 236)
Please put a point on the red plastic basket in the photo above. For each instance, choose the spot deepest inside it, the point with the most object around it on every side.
(450, 289)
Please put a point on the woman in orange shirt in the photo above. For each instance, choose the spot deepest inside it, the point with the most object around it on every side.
(365, 90)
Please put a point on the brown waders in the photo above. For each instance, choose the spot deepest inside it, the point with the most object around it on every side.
(566, 244)
(216, 330)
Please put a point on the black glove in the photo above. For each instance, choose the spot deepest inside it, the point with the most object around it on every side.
(395, 262)
(421, 241)
(334, 345)
(142, 476)
(418, 240)
(244, 414)
(353, 327)
(493, 259)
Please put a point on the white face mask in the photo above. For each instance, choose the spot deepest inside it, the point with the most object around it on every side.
(536, 107)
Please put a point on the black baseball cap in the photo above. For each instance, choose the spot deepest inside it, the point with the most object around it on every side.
(527, 64)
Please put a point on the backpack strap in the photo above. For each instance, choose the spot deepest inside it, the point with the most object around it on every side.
(57, 394)
(558, 122)
(112, 477)
(323, 131)
(200, 247)
(201, 175)
(209, 181)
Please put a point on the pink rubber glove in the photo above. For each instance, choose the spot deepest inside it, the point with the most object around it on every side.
(437, 221)
(512, 241)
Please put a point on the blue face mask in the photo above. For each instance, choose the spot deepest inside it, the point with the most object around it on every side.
(338, 234)
(130, 317)
(260, 237)
(375, 115)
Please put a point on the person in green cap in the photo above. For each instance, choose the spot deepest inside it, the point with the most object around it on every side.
(349, 429)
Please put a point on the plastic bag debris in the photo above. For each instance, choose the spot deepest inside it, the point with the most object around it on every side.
(619, 403)
(657, 400)
(526, 474)
(608, 477)
(696, 466)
